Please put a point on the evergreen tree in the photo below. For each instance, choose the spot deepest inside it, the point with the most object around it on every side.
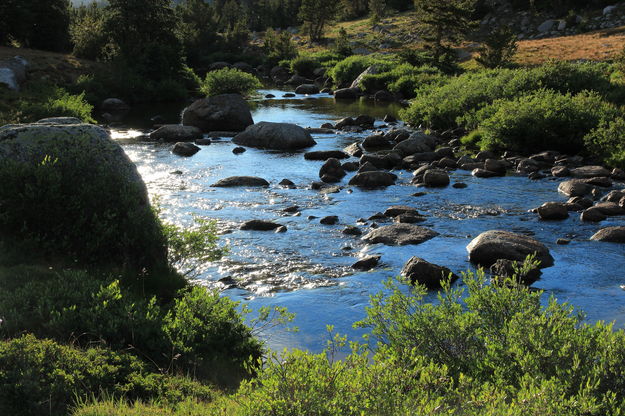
(376, 10)
(316, 14)
(498, 48)
(196, 29)
(39, 24)
(144, 34)
(444, 22)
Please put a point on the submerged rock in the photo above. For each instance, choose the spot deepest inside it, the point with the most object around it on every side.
(240, 181)
(185, 149)
(260, 225)
(176, 133)
(399, 235)
(366, 263)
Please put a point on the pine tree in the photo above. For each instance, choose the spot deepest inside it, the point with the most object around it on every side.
(316, 14)
(444, 22)
(498, 48)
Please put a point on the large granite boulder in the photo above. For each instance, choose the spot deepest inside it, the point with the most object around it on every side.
(13, 72)
(274, 136)
(225, 112)
(90, 204)
(493, 245)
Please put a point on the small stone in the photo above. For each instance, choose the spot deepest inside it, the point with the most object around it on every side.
(329, 220)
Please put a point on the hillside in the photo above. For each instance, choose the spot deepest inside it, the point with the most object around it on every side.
(597, 37)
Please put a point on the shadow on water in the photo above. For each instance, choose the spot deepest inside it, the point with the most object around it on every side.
(307, 269)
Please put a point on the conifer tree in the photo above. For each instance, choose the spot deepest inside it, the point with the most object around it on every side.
(444, 22)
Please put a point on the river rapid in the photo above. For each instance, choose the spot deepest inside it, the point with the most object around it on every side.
(307, 269)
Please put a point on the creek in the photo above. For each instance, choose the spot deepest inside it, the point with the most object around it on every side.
(307, 269)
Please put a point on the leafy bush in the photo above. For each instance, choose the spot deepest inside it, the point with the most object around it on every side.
(198, 333)
(402, 79)
(41, 376)
(229, 80)
(349, 68)
(441, 107)
(542, 120)
(304, 65)
(209, 336)
(607, 142)
(41, 100)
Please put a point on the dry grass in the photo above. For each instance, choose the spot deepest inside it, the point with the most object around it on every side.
(58, 67)
(594, 46)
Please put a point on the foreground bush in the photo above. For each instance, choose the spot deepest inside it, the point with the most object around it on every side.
(199, 333)
(403, 79)
(43, 377)
(229, 81)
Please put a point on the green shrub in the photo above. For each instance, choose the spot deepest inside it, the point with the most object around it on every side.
(402, 79)
(441, 106)
(208, 336)
(349, 68)
(304, 65)
(607, 142)
(229, 80)
(198, 333)
(43, 377)
(481, 350)
(542, 120)
(41, 100)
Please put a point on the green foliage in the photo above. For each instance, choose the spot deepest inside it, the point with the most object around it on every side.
(197, 22)
(480, 350)
(542, 120)
(341, 44)
(304, 65)
(38, 24)
(315, 14)
(41, 100)
(198, 333)
(43, 377)
(229, 80)
(607, 141)
(498, 48)
(402, 79)
(444, 106)
(279, 46)
(124, 82)
(87, 33)
(143, 32)
(208, 336)
(349, 68)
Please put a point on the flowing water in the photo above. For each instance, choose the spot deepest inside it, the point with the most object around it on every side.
(307, 269)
